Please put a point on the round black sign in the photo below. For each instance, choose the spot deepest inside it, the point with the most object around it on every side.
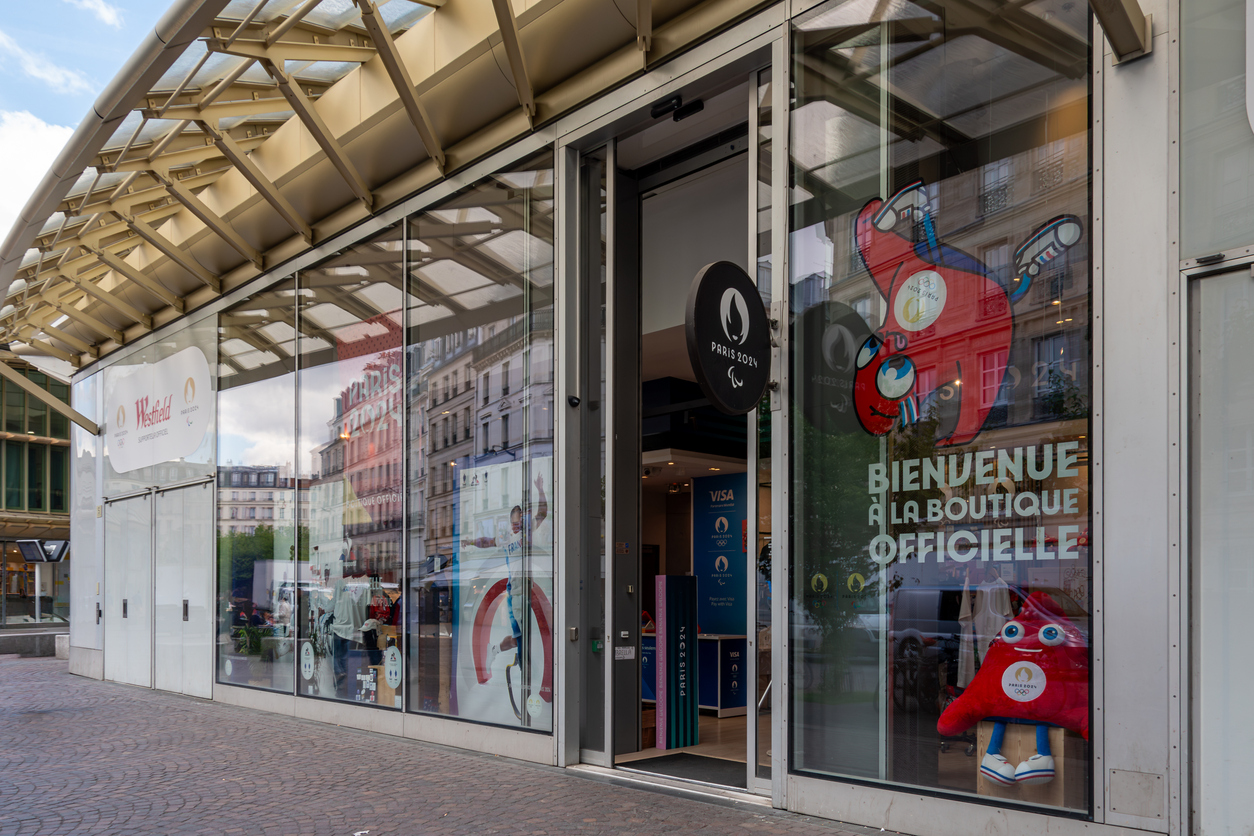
(825, 344)
(729, 339)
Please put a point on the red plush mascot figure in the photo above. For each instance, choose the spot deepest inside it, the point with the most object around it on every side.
(1036, 670)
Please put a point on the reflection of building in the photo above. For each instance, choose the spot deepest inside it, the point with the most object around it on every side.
(35, 486)
(450, 390)
(254, 495)
(513, 365)
(354, 492)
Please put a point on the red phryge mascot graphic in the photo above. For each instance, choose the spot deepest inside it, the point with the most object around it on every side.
(1036, 670)
(947, 312)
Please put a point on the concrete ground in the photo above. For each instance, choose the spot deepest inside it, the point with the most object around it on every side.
(79, 756)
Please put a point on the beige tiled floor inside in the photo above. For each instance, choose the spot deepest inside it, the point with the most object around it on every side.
(720, 738)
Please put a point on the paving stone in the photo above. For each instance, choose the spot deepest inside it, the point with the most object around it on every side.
(80, 756)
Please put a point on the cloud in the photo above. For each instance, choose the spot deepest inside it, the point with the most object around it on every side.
(107, 13)
(60, 79)
(28, 145)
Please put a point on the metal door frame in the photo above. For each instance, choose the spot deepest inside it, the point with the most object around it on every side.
(757, 50)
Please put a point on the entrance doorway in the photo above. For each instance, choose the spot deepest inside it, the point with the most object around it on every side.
(158, 609)
(687, 487)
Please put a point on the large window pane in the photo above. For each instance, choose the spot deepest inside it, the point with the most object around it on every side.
(349, 455)
(14, 475)
(481, 571)
(37, 411)
(59, 479)
(59, 425)
(36, 469)
(256, 517)
(14, 409)
(940, 287)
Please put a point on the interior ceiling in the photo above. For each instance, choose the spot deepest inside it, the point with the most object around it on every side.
(278, 126)
(725, 106)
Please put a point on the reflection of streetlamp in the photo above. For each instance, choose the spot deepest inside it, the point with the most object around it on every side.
(497, 448)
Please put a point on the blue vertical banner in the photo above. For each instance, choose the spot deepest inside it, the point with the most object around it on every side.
(676, 662)
(719, 559)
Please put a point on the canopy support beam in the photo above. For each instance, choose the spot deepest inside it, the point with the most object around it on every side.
(124, 308)
(138, 276)
(253, 174)
(513, 51)
(48, 399)
(210, 219)
(101, 328)
(316, 125)
(172, 251)
(401, 80)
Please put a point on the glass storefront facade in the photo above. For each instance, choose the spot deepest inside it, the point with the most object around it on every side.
(940, 285)
(335, 416)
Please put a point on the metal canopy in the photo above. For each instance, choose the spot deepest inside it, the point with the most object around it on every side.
(246, 131)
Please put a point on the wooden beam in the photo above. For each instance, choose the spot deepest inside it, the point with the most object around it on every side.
(316, 125)
(401, 80)
(48, 398)
(513, 51)
(48, 348)
(264, 186)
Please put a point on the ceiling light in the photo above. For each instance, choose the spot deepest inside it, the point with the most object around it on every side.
(714, 468)
(670, 462)
(1056, 302)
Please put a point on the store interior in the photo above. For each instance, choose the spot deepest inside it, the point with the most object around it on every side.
(692, 178)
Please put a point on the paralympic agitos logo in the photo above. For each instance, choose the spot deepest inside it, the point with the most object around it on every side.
(728, 343)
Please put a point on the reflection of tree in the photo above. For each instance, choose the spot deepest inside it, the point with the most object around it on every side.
(1062, 397)
(238, 552)
(832, 533)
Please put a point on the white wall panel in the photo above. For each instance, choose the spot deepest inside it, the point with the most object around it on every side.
(86, 529)
(1134, 474)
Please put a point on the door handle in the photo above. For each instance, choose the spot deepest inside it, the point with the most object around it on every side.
(124, 608)
(184, 609)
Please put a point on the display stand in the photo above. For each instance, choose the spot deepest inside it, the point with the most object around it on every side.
(1067, 787)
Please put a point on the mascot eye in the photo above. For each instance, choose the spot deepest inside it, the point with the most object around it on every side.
(869, 349)
(895, 378)
(1012, 633)
(1051, 635)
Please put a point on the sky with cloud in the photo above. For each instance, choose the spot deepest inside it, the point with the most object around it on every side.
(55, 58)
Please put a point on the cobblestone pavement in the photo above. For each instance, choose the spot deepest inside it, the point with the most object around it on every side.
(79, 756)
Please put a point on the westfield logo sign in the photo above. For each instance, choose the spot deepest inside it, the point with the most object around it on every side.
(157, 413)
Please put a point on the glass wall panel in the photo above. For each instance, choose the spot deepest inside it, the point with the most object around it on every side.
(480, 349)
(939, 512)
(350, 408)
(1216, 143)
(256, 516)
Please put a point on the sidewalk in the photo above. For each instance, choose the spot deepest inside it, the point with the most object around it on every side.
(79, 756)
